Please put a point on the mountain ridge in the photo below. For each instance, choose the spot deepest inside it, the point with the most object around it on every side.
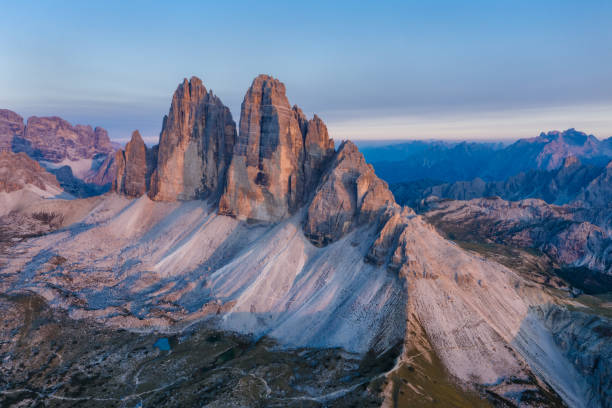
(326, 258)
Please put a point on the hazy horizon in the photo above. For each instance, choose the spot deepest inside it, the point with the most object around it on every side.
(399, 70)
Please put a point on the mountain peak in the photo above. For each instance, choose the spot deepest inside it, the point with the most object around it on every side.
(18, 170)
(277, 158)
(195, 144)
(349, 195)
(11, 125)
(132, 167)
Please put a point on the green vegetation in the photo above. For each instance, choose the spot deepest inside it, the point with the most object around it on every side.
(52, 360)
(422, 383)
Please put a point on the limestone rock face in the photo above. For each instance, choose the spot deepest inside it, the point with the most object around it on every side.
(105, 174)
(53, 139)
(133, 168)
(557, 231)
(18, 170)
(386, 245)
(278, 157)
(598, 194)
(11, 125)
(349, 195)
(319, 148)
(195, 145)
(54, 142)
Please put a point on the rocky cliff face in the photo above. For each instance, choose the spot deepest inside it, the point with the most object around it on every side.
(349, 195)
(53, 139)
(134, 167)
(106, 172)
(56, 143)
(554, 230)
(195, 145)
(598, 193)
(11, 125)
(17, 170)
(277, 156)
(585, 340)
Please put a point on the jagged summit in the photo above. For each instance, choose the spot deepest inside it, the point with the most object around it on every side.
(279, 162)
(80, 156)
(134, 167)
(265, 172)
(195, 145)
(570, 136)
(336, 264)
(350, 194)
(278, 156)
(11, 126)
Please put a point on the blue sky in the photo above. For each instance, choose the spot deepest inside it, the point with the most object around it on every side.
(375, 70)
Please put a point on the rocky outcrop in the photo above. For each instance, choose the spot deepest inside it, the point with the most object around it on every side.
(598, 194)
(387, 245)
(278, 156)
(11, 125)
(105, 174)
(54, 140)
(584, 339)
(18, 170)
(548, 152)
(134, 167)
(349, 195)
(56, 143)
(318, 149)
(554, 230)
(195, 145)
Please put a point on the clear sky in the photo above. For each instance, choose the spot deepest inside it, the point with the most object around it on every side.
(374, 70)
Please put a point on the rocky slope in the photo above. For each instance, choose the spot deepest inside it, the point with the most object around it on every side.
(23, 180)
(598, 193)
(336, 263)
(554, 230)
(17, 170)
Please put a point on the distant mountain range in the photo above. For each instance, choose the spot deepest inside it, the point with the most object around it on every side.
(452, 161)
(267, 231)
(81, 157)
(558, 186)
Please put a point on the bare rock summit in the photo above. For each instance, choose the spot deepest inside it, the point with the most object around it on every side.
(349, 195)
(11, 125)
(195, 145)
(134, 167)
(279, 155)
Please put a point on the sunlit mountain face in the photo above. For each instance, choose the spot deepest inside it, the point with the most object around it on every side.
(229, 253)
(430, 226)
